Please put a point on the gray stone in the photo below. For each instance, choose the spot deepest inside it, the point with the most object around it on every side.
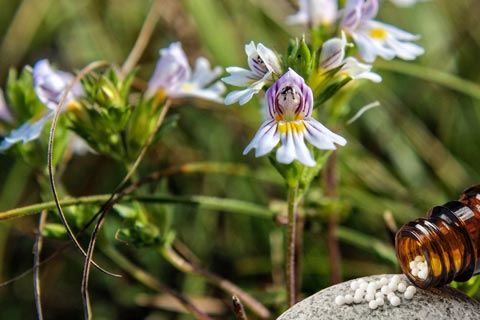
(437, 303)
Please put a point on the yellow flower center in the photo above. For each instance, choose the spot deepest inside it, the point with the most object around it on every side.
(378, 33)
(294, 125)
(291, 126)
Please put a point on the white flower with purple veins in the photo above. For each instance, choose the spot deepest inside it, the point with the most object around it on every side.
(264, 67)
(289, 103)
(375, 38)
(333, 56)
(174, 76)
(315, 13)
(49, 85)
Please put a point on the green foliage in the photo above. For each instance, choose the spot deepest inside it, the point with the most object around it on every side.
(20, 96)
(300, 59)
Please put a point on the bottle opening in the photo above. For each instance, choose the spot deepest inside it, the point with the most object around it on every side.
(414, 261)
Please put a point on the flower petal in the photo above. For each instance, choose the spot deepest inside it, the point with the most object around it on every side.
(50, 84)
(243, 96)
(239, 77)
(269, 58)
(322, 138)
(301, 150)
(333, 53)
(357, 70)
(264, 140)
(171, 71)
(203, 74)
(286, 153)
(26, 132)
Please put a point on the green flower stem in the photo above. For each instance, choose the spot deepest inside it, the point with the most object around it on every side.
(203, 202)
(150, 282)
(291, 273)
(189, 267)
(443, 78)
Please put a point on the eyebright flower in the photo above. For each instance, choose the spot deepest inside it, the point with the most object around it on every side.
(315, 13)
(333, 56)
(174, 76)
(49, 85)
(289, 104)
(264, 66)
(375, 38)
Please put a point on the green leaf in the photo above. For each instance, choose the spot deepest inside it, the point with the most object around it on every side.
(55, 231)
(140, 234)
(330, 90)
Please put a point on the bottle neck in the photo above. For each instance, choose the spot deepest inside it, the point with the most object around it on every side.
(447, 241)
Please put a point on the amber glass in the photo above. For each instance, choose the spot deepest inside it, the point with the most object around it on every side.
(448, 240)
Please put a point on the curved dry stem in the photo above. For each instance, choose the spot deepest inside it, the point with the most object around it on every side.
(37, 249)
(151, 282)
(180, 263)
(92, 66)
(239, 309)
(143, 38)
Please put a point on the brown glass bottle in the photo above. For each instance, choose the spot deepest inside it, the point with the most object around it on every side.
(448, 240)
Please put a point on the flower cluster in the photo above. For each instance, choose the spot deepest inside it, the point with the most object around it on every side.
(289, 101)
(97, 108)
(312, 78)
(373, 38)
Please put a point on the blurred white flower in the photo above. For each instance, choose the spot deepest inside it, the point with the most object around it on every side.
(49, 85)
(406, 3)
(333, 56)
(289, 104)
(315, 13)
(174, 76)
(375, 38)
(264, 65)
(4, 112)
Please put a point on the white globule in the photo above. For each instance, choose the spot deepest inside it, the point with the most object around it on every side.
(419, 268)
(402, 286)
(354, 285)
(348, 299)
(385, 289)
(380, 301)
(408, 295)
(370, 296)
(395, 301)
(392, 286)
(339, 300)
(357, 299)
(373, 304)
(412, 288)
(374, 293)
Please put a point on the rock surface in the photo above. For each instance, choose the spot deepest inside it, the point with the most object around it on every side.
(437, 303)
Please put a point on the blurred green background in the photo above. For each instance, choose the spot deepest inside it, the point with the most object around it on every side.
(420, 148)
